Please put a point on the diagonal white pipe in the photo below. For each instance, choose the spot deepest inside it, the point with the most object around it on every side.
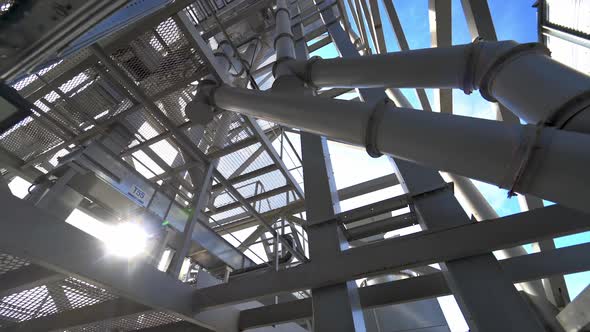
(479, 149)
(522, 77)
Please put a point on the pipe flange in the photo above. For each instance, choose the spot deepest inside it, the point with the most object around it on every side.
(502, 60)
(523, 155)
(560, 117)
(281, 35)
(373, 126)
(472, 54)
(307, 74)
(280, 9)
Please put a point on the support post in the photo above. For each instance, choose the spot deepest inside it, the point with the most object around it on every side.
(336, 307)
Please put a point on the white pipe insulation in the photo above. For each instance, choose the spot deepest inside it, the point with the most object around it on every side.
(284, 42)
(541, 161)
(522, 77)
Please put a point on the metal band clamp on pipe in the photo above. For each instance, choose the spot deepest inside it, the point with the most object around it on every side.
(373, 128)
(525, 149)
(560, 117)
(305, 75)
(470, 67)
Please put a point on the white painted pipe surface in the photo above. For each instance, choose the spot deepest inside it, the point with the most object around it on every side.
(476, 148)
(522, 77)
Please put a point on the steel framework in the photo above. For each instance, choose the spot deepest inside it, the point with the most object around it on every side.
(206, 123)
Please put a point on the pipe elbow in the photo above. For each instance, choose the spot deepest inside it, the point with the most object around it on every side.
(201, 110)
(302, 69)
(486, 59)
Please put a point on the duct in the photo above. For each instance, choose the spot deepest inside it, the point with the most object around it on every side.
(410, 134)
(506, 72)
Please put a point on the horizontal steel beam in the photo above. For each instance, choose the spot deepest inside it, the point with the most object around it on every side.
(246, 142)
(247, 176)
(256, 198)
(173, 327)
(381, 226)
(243, 221)
(567, 34)
(82, 316)
(26, 277)
(419, 249)
(374, 209)
(523, 268)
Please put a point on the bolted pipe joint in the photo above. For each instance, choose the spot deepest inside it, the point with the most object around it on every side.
(201, 110)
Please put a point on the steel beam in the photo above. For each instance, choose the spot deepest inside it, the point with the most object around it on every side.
(573, 36)
(26, 277)
(420, 249)
(574, 317)
(253, 199)
(247, 176)
(522, 268)
(374, 209)
(480, 24)
(339, 300)
(439, 13)
(81, 316)
(174, 327)
(376, 26)
(206, 53)
(241, 221)
(229, 149)
(320, 43)
(479, 19)
(381, 226)
(74, 252)
(441, 209)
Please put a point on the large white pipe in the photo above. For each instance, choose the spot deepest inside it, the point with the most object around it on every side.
(521, 76)
(490, 151)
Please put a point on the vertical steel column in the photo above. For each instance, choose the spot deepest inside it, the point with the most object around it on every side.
(335, 308)
(480, 23)
(486, 296)
(439, 14)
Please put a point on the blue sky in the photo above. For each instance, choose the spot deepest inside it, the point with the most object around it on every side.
(515, 20)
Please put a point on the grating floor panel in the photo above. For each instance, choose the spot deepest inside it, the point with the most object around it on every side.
(128, 323)
(10, 263)
(67, 294)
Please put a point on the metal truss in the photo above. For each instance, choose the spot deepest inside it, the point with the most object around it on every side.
(228, 175)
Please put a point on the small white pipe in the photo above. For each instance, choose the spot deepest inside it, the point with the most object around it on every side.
(284, 42)
(476, 148)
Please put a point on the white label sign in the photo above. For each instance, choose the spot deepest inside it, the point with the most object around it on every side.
(137, 193)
